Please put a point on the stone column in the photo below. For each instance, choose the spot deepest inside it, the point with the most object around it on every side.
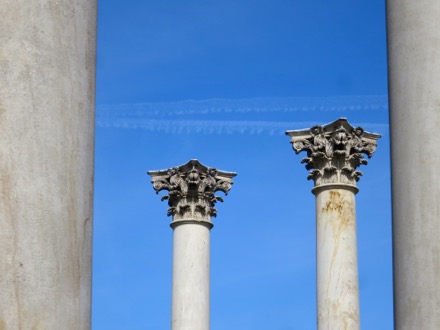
(414, 97)
(47, 101)
(191, 199)
(334, 151)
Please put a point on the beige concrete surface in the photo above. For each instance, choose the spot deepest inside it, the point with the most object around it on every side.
(47, 99)
(414, 93)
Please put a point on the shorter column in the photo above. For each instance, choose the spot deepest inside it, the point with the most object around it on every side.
(191, 199)
(334, 151)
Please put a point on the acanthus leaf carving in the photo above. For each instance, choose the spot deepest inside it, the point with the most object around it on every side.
(191, 189)
(334, 151)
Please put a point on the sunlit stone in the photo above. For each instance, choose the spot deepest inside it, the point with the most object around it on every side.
(334, 152)
(191, 197)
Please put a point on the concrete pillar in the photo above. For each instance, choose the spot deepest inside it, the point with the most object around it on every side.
(414, 97)
(334, 151)
(191, 199)
(47, 100)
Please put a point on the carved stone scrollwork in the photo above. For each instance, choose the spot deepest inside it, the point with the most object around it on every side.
(191, 189)
(334, 151)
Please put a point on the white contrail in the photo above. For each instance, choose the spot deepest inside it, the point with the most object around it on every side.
(174, 117)
(217, 126)
(254, 105)
(205, 126)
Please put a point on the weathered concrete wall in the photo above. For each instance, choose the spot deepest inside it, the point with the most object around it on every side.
(47, 96)
(337, 271)
(191, 255)
(414, 89)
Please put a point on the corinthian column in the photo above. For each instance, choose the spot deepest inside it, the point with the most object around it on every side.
(47, 109)
(191, 199)
(414, 94)
(334, 152)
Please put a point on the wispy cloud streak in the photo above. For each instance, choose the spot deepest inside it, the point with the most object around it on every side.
(205, 127)
(216, 126)
(254, 105)
(175, 117)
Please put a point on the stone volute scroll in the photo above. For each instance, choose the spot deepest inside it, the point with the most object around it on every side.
(334, 151)
(191, 190)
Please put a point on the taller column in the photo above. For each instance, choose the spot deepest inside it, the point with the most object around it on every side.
(47, 100)
(414, 97)
(191, 199)
(334, 152)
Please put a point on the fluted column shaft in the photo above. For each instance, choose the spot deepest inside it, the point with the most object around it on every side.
(191, 199)
(414, 96)
(334, 152)
(47, 102)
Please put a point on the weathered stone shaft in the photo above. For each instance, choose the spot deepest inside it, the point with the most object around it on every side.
(191, 272)
(414, 96)
(47, 100)
(336, 253)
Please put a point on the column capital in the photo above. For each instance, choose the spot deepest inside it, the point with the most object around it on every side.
(192, 189)
(334, 151)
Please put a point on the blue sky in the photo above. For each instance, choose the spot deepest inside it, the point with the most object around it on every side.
(220, 81)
